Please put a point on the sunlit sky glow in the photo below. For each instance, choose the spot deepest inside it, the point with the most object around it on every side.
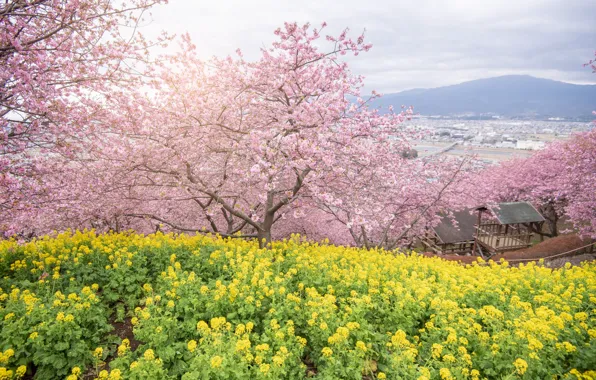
(427, 43)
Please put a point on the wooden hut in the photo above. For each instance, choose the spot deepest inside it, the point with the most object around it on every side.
(505, 227)
(448, 238)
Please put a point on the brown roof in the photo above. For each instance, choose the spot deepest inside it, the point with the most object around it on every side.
(464, 231)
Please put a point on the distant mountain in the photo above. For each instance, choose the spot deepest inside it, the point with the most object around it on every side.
(510, 95)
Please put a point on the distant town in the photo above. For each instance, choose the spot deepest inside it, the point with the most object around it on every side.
(491, 140)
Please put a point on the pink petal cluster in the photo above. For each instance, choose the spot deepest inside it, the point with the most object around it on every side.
(64, 66)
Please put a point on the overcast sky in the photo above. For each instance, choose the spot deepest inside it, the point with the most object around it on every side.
(424, 43)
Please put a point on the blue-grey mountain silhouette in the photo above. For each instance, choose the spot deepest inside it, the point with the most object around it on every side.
(510, 95)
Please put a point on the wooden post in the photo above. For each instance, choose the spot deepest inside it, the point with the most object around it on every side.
(476, 231)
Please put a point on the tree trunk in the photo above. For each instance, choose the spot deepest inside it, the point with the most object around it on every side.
(264, 237)
(550, 214)
(553, 225)
(264, 232)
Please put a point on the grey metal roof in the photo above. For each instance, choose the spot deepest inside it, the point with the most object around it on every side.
(464, 231)
(516, 212)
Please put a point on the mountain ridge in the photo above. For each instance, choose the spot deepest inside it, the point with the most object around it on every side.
(508, 95)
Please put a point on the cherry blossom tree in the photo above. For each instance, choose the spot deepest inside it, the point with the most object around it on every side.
(392, 202)
(577, 181)
(534, 179)
(236, 145)
(64, 65)
(557, 180)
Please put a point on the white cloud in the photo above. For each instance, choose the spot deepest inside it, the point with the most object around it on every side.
(427, 43)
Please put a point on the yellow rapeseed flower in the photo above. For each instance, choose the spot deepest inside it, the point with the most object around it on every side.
(20, 372)
(264, 368)
(149, 355)
(217, 323)
(192, 345)
(520, 366)
(242, 345)
(445, 374)
(115, 374)
(216, 361)
(436, 349)
(361, 346)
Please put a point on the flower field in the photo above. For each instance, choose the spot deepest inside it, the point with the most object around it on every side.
(210, 308)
